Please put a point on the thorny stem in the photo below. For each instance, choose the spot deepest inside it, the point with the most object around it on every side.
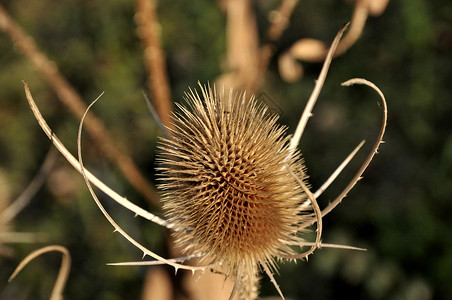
(60, 283)
(318, 218)
(374, 150)
(368, 159)
(327, 245)
(68, 95)
(111, 220)
(155, 262)
(73, 161)
(88, 177)
(339, 169)
(316, 92)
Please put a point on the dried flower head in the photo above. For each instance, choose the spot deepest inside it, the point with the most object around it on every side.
(234, 185)
(229, 181)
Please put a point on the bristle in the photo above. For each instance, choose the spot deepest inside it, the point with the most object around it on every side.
(228, 178)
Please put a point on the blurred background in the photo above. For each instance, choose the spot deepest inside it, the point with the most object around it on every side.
(398, 212)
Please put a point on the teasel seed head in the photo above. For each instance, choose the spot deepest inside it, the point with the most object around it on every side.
(229, 182)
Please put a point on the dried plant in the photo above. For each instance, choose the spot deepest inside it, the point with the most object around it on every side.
(9, 212)
(236, 195)
(313, 50)
(68, 95)
(60, 283)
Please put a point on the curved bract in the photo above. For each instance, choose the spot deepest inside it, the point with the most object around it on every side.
(63, 274)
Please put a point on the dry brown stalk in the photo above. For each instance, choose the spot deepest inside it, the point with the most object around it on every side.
(69, 97)
(148, 30)
(357, 24)
(244, 71)
(312, 50)
(363, 8)
(280, 19)
(315, 51)
(154, 58)
(375, 147)
(247, 61)
(279, 22)
(242, 46)
(60, 283)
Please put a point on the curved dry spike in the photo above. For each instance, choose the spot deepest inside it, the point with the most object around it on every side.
(369, 158)
(272, 279)
(145, 263)
(73, 161)
(327, 245)
(316, 92)
(338, 171)
(155, 262)
(318, 218)
(109, 218)
(60, 283)
(156, 116)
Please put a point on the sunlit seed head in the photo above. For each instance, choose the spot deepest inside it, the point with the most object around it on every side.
(229, 181)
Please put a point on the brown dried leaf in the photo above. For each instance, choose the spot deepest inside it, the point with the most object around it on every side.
(376, 7)
(289, 69)
(308, 50)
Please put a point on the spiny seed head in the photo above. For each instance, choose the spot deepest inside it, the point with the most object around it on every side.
(229, 181)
